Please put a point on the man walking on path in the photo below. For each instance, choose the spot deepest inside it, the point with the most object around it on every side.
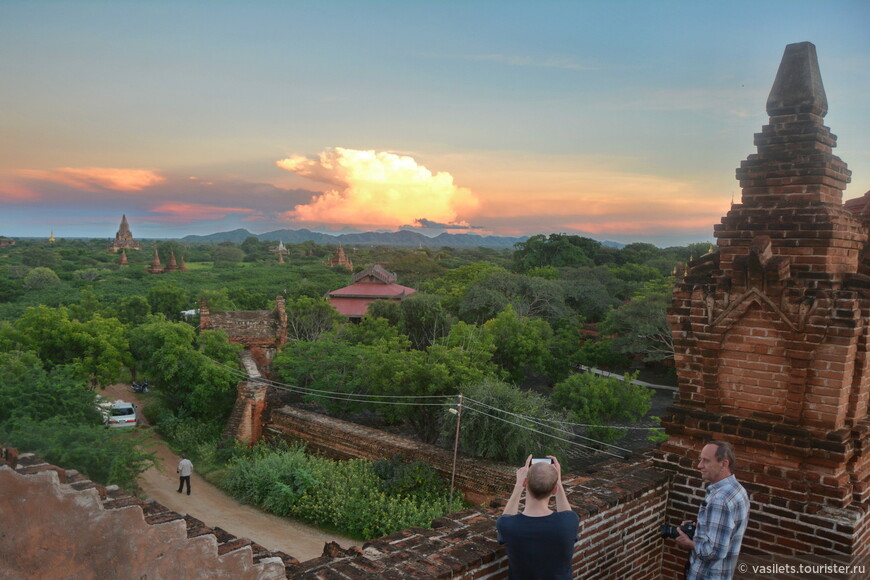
(185, 468)
(539, 542)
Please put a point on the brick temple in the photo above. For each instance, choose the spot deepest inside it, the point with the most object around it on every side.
(771, 339)
(123, 238)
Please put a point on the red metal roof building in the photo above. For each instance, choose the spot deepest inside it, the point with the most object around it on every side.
(373, 283)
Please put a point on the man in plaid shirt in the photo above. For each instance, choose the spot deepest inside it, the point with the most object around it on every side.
(722, 518)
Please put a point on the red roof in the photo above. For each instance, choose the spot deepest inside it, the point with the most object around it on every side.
(353, 301)
(373, 291)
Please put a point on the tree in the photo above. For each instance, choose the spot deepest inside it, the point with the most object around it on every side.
(169, 300)
(558, 250)
(28, 390)
(133, 310)
(529, 296)
(423, 319)
(520, 342)
(599, 401)
(308, 318)
(37, 256)
(198, 377)
(40, 278)
(503, 423)
(53, 414)
(227, 253)
(439, 371)
(97, 349)
(453, 284)
(640, 327)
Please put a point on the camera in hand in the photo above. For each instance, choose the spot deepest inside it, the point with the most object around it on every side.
(541, 460)
(671, 531)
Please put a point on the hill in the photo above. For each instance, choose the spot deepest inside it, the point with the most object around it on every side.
(402, 238)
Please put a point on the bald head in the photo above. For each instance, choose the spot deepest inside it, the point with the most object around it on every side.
(541, 480)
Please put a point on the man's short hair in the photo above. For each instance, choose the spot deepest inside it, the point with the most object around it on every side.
(725, 450)
(541, 480)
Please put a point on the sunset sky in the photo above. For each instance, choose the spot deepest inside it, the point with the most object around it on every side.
(621, 120)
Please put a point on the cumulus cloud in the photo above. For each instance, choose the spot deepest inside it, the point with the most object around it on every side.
(98, 178)
(376, 189)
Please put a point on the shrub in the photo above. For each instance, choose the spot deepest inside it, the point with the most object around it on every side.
(106, 456)
(503, 423)
(599, 400)
(354, 497)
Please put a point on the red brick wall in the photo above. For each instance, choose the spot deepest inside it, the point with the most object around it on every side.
(620, 510)
(771, 335)
(59, 524)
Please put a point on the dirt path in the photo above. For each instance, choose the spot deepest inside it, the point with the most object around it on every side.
(209, 504)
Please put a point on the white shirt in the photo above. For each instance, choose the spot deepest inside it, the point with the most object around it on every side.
(185, 468)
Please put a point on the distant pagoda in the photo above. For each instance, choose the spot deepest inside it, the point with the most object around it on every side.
(281, 251)
(124, 239)
(339, 258)
(155, 267)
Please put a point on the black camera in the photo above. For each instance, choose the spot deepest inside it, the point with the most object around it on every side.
(671, 531)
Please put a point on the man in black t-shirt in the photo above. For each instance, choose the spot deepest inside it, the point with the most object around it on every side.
(539, 542)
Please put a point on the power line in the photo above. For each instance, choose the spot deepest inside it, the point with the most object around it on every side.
(538, 422)
(551, 435)
(405, 400)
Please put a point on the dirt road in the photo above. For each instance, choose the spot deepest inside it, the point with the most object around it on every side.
(214, 508)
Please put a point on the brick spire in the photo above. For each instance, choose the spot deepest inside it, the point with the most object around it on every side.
(793, 186)
(771, 337)
(156, 267)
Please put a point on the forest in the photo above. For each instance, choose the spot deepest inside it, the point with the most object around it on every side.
(509, 330)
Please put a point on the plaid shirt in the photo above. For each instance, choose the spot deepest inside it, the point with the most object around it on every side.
(722, 521)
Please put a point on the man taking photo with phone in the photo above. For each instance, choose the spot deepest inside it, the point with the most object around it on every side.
(539, 541)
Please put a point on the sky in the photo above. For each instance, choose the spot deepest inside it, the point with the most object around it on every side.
(622, 120)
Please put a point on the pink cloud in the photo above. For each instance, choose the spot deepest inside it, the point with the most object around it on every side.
(97, 178)
(16, 192)
(177, 212)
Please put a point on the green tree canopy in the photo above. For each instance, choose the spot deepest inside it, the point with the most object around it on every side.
(40, 278)
(503, 423)
(640, 327)
(600, 401)
(520, 342)
(557, 250)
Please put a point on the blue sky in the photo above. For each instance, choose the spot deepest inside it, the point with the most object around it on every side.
(621, 120)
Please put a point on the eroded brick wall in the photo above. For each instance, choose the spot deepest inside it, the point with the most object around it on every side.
(480, 480)
(58, 524)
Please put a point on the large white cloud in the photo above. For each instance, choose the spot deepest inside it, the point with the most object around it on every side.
(377, 189)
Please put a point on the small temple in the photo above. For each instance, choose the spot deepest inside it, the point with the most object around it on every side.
(281, 251)
(123, 239)
(339, 258)
(157, 268)
(373, 283)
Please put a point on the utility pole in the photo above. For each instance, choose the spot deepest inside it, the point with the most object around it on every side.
(458, 413)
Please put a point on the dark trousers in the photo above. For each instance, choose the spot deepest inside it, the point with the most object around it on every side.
(182, 479)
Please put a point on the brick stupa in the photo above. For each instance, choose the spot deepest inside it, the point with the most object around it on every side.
(123, 238)
(771, 340)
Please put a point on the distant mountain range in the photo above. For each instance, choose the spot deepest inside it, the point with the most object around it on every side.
(400, 238)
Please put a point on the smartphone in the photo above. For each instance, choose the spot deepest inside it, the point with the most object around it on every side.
(541, 460)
